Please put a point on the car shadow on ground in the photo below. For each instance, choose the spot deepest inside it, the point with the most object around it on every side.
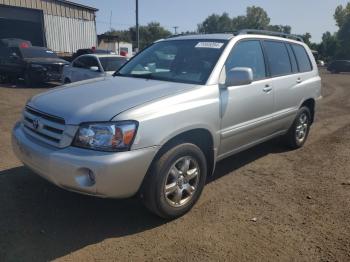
(40, 222)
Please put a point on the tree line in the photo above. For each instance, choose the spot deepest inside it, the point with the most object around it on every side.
(333, 46)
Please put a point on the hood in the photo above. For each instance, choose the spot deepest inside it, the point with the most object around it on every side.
(101, 99)
(44, 61)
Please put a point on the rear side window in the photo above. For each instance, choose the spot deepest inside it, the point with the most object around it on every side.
(278, 58)
(292, 59)
(302, 58)
(248, 54)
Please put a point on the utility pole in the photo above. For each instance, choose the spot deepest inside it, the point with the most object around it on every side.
(137, 27)
(175, 29)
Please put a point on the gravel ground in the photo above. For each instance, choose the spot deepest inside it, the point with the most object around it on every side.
(265, 204)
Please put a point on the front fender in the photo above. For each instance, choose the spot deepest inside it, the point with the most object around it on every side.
(163, 119)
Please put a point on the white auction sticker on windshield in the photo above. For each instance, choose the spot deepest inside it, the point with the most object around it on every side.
(215, 45)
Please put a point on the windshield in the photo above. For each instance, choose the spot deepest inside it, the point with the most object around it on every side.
(185, 61)
(37, 52)
(112, 63)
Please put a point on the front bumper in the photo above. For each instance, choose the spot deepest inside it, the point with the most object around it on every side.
(103, 174)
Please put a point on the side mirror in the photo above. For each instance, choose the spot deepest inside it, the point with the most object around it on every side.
(94, 68)
(239, 76)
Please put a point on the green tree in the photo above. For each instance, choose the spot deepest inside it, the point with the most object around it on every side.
(216, 24)
(280, 28)
(344, 39)
(148, 34)
(341, 14)
(328, 47)
(307, 38)
(255, 18)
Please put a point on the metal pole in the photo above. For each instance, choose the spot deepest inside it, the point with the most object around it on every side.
(137, 27)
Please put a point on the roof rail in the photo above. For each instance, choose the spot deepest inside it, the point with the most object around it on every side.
(270, 33)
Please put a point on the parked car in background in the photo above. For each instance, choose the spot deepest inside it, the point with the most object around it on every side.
(19, 59)
(158, 127)
(339, 66)
(92, 66)
(86, 51)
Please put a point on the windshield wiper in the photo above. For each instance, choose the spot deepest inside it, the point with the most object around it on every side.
(144, 76)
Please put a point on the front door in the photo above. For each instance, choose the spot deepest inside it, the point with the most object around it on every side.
(246, 110)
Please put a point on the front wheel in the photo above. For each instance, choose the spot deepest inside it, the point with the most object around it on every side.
(28, 79)
(175, 181)
(299, 131)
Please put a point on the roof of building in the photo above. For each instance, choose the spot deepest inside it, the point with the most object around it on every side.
(78, 5)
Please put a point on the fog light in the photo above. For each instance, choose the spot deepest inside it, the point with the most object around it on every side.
(85, 177)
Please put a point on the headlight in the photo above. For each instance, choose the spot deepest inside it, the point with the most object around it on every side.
(111, 136)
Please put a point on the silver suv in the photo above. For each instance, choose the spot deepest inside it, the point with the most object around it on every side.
(159, 125)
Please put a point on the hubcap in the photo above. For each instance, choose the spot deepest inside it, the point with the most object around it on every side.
(302, 127)
(182, 181)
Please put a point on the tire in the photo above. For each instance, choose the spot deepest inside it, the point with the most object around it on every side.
(67, 81)
(299, 131)
(175, 171)
(28, 80)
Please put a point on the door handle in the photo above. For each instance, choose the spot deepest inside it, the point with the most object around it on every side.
(299, 80)
(267, 88)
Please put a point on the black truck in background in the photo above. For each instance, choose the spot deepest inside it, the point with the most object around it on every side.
(19, 59)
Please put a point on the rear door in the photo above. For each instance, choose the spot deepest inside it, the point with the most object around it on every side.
(289, 83)
(286, 81)
(246, 109)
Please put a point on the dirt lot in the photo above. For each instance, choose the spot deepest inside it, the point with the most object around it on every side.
(301, 200)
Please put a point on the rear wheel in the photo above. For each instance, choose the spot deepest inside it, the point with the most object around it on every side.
(299, 131)
(175, 181)
(67, 81)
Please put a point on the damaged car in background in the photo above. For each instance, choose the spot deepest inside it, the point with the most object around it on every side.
(35, 65)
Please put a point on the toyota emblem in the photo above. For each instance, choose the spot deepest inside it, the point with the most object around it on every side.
(35, 123)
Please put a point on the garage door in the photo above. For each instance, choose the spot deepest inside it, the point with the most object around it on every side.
(22, 23)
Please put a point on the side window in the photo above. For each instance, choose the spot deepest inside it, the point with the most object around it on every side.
(248, 54)
(292, 59)
(91, 61)
(302, 58)
(14, 51)
(80, 63)
(278, 58)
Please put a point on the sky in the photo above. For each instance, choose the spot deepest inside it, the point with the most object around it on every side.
(313, 16)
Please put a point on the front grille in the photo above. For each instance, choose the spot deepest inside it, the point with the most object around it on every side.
(54, 68)
(44, 127)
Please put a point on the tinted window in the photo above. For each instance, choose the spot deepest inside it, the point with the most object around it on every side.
(292, 59)
(85, 62)
(302, 58)
(186, 61)
(80, 62)
(91, 61)
(248, 54)
(112, 63)
(278, 58)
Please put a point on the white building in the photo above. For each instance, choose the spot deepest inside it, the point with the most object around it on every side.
(60, 25)
(112, 43)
